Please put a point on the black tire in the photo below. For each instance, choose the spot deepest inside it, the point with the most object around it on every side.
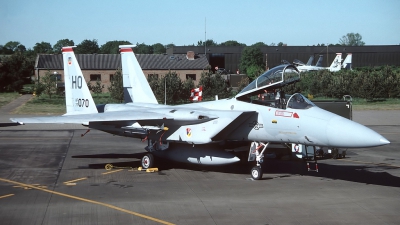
(256, 173)
(148, 161)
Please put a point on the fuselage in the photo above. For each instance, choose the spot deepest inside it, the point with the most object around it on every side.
(309, 125)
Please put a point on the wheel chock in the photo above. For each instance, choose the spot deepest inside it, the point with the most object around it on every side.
(151, 170)
(148, 170)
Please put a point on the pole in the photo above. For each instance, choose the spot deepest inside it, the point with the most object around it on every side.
(205, 36)
(165, 90)
(327, 56)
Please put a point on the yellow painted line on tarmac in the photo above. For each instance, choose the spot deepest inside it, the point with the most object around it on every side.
(27, 188)
(5, 196)
(83, 178)
(89, 201)
(114, 171)
(377, 164)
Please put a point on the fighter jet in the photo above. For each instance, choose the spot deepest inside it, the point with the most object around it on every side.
(335, 66)
(347, 62)
(297, 62)
(196, 133)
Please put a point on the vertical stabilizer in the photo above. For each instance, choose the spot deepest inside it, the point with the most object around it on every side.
(319, 62)
(347, 62)
(78, 99)
(310, 60)
(136, 86)
(337, 63)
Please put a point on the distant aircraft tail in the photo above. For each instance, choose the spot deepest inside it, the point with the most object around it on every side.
(337, 63)
(319, 62)
(136, 87)
(78, 99)
(310, 60)
(347, 62)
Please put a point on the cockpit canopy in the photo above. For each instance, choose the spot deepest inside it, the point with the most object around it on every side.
(298, 101)
(274, 78)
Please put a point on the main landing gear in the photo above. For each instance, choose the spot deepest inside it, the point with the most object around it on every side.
(256, 153)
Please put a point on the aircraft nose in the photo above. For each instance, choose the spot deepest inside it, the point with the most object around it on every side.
(349, 134)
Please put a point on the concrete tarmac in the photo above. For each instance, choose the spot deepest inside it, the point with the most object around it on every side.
(49, 174)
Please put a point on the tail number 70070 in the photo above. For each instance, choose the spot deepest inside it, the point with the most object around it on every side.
(80, 102)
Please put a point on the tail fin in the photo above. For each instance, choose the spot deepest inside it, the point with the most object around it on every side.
(347, 62)
(310, 60)
(136, 87)
(78, 99)
(337, 63)
(319, 62)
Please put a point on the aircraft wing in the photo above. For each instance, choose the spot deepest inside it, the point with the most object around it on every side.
(206, 124)
(86, 118)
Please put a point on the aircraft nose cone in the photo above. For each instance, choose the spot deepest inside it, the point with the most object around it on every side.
(348, 134)
(384, 141)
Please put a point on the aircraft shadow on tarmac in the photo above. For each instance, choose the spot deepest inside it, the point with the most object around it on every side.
(9, 124)
(359, 174)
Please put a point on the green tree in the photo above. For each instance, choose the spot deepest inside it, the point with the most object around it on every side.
(97, 88)
(112, 47)
(351, 39)
(251, 56)
(21, 48)
(87, 47)
(187, 86)
(154, 83)
(231, 43)
(42, 48)
(158, 48)
(214, 84)
(253, 71)
(15, 71)
(209, 42)
(38, 89)
(49, 84)
(173, 84)
(280, 44)
(242, 84)
(11, 47)
(169, 45)
(116, 88)
(143, 49)
(258, 44)
(62, 43)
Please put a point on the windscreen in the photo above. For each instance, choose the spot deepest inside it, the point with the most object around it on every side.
(298, 101)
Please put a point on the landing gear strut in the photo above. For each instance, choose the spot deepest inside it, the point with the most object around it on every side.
(256, 155)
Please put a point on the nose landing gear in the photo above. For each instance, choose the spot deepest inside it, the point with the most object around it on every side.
(256, 154)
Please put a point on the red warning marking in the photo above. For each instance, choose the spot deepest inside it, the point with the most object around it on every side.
(286, 114)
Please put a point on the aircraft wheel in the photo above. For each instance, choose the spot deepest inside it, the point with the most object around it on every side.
(256, 173)
(147, 161)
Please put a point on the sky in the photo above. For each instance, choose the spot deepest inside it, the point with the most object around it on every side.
(185, 22)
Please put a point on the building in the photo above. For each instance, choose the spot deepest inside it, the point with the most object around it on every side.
(229, 57)
(103, 66)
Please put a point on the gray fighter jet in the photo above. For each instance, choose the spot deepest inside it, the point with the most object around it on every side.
(196, 133)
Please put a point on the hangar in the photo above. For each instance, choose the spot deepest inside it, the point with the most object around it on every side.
(103, 66)
(229, 57)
